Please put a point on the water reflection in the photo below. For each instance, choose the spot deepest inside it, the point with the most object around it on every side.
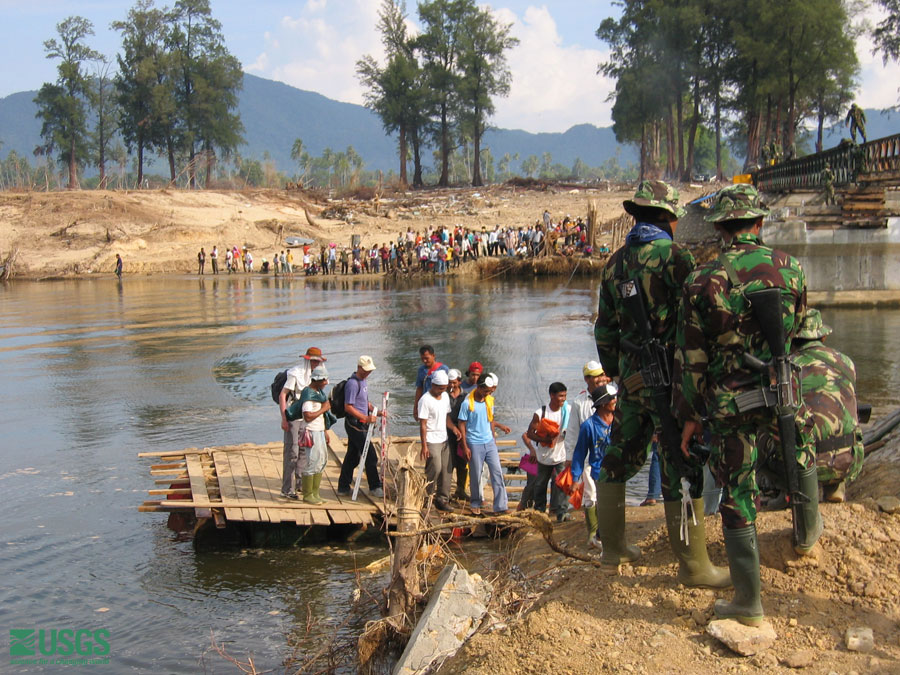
(96, 371)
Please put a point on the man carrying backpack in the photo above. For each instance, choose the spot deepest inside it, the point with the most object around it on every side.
(298, 378)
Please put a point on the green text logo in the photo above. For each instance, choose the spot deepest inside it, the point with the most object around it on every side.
(71, 646)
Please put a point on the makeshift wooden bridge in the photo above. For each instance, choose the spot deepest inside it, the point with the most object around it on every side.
(242, 483)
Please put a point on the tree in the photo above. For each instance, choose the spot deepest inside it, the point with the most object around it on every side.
(443, 23)
(143, 84)
(61, 106)
(104, 105)
(484, 75)
(530, 165)
(887, 33)
(299, 155)
(395, 92)
(207, 84)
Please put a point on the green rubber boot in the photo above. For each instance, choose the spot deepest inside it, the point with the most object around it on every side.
(590, 520)
(810, 521)
(743, 560)
(611, 525)
(309, 494)
(694, 565)
(317, 483)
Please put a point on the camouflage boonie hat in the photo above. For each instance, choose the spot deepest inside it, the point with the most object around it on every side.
(813, 328)
(737, 202)
(655, 194)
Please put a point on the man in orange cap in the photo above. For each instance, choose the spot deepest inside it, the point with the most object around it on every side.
(298, 378)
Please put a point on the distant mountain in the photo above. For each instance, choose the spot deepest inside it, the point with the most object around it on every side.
(274, 114)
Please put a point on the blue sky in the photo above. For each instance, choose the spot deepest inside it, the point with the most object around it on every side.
(314, 45)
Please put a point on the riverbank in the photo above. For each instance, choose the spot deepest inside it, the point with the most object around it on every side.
(71, 234)
(642, 621)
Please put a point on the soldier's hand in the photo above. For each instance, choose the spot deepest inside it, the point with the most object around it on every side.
(691, 429)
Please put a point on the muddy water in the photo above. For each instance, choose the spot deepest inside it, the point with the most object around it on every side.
(95, 372)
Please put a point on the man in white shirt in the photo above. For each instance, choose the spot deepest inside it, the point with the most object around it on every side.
(434, 420)
(550, 450)
(298, 378)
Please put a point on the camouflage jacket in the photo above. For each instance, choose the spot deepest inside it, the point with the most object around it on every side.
(660, 267)
(828, 388)
(716, 326)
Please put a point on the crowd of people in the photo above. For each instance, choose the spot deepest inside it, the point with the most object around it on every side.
(720, 365)
(435, 250)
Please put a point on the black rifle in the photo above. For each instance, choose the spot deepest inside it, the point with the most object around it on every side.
(656, 376)
(766, 306)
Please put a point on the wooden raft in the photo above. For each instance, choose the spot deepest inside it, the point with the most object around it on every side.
(243, 483)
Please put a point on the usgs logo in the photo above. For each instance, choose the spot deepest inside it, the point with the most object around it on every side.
(58, 642)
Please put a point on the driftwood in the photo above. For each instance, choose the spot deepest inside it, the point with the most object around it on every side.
(528, 518)
(879, 430)
(593, 222)
(404, 591)
(309, 218)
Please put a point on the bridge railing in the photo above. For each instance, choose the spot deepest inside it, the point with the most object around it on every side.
(847, 161)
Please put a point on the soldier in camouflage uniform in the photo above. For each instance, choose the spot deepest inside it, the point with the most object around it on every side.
(856, 118)
(828, 182)
(831, 428)
(658, 266)
(828, 388)
(716, 326)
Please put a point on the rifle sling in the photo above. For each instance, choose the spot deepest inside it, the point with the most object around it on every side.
(833, 443)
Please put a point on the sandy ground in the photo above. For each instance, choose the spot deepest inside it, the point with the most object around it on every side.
(642, 621)
(79, 233)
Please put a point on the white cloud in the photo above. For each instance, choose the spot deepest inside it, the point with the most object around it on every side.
(879, 81)
(554, 86)
(317, 48)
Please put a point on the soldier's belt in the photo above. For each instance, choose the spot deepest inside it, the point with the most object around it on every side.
(754, 399)
(633, 383)
(833, 443)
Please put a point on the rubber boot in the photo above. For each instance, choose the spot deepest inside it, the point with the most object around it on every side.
(834, 492)
(309, 495)
(611, 525)
(810, 525)
(317, 483)
(743, 560)
(590, 520)
(694, 566)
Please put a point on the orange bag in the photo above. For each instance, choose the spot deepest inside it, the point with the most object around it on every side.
(546, 429)
(577, 494)
(564, 480)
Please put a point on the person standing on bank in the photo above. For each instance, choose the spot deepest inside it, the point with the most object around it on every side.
(645, 277)
(583, 408)
(477, 428)
(434, 423)
(720, 337)
(201, 260)
(298, 378)
(590, 448)
(550, 452)
(359, 416)
(119, 265)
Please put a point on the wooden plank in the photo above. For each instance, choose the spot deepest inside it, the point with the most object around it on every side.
(169, 481)
(170, 491)
(320, 516)
(198, 481)
(262, 489)
(226, 486)
(303, 517)
(339, 516)
(242, 485)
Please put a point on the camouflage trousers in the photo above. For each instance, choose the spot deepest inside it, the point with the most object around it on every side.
(630, 444)
(736, 444)
(838, 465)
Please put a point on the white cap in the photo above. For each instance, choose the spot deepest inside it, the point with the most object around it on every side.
(440, 378)
(454, 374)
(366, 363)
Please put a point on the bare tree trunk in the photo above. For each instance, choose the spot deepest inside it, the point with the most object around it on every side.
(404, 590)
(403, 153)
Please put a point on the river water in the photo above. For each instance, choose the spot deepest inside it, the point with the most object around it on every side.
(95, 371)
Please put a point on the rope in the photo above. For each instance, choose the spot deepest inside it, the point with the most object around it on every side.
(686, 506)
